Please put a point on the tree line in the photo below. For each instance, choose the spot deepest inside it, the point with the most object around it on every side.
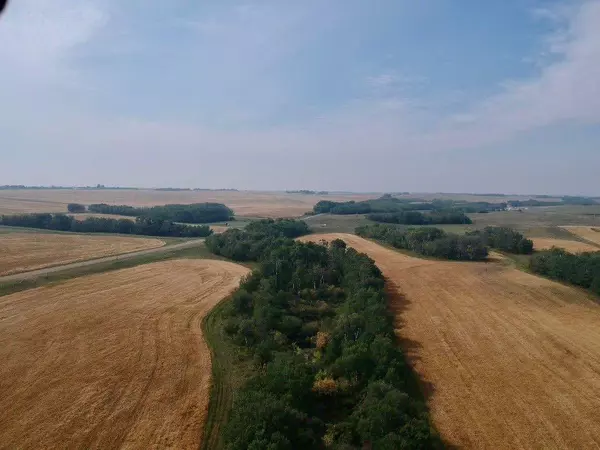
(145, 226)
(257, 238)
(505, 239)
(193, 213)
(418, 218)
(328, 370)
(581, 269)
(388, 204)
(428, 241)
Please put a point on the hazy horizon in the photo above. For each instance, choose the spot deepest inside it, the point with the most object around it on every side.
(346, 96)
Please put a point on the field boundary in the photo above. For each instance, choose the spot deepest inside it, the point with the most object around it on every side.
(98, 266)
(230, 368)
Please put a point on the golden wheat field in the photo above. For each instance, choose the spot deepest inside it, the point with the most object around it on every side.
(245, 204)
(507, 359)
(591, 234)
(22, 252)
(115, 360)
(570, 246)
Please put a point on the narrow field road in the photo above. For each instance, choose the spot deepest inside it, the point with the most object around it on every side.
(41, 272)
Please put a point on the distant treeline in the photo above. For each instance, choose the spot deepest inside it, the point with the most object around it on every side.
(170, 189)
(306, 192)
(82, 188)
(417, 218)
(145, 226)
(194, 213)
(328, 370)
(566, 200)
(505, 239)
(428, 241)
(581, 269)
(389, 204)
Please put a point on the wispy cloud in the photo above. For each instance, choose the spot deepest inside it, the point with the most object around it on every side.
(227, 67)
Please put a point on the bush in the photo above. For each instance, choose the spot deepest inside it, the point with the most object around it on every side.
(75, 208)
(505, 239)
(142, 226)
(582, 269)
(428, 241)
(417, 218)
(194, 213)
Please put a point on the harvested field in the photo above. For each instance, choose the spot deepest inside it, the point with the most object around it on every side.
(114, 360)
(247, 204)
(570, 246)
(507, 359)
(23, 252)
(591, 234)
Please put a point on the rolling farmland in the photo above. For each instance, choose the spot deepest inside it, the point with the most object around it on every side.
(30, 251)
(590, 234)
(111, 360)
(244, 204)
(570, 246)
(507, 359)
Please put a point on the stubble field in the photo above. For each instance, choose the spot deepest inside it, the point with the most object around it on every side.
(507, 359)
(111, 360)
(590, 234)
(243, 203)
(22, 252)
(570, 246)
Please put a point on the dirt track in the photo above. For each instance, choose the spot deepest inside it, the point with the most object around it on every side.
(23, 252)
(113, 360)
(65, 267)
(508, 360)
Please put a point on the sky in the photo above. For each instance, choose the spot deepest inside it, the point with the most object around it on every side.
(339, 95)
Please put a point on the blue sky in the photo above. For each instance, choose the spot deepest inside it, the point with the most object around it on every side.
(387, 95)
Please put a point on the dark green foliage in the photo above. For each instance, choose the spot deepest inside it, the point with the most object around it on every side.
(428, 241)
(142, 226)
(581, 269)
(446, 209)
(121, 210)
(505, 239)
(417, 218)
(194, 213)
(258, 236)
(316, 321)
(75, 208)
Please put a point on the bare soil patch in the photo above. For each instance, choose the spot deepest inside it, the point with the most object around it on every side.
(507, 359)
(570, 246)
(114, 360)
(23, 252)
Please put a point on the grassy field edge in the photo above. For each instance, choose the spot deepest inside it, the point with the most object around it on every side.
(230, 368)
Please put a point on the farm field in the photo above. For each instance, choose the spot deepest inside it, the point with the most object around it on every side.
(507, 359)
(590, 234)
(111, 360)
(23, 252)
(570, 246)
(245, 204)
